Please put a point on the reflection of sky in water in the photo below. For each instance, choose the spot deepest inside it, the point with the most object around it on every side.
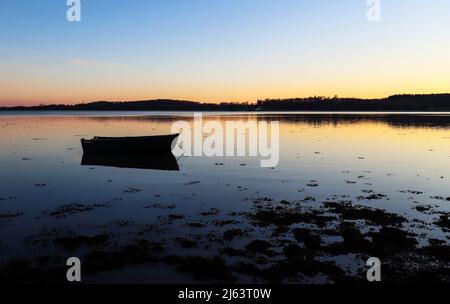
(343, 155)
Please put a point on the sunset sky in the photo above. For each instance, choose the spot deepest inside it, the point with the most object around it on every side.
(220, 50)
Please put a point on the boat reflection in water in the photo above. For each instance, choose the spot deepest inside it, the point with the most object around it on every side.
(164, 162)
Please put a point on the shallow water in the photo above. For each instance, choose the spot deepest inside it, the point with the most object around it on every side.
(405, 157)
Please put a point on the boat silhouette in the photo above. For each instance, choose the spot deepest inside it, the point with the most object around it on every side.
(161, 144)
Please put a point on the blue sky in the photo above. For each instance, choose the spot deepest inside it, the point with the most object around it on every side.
(220, 49)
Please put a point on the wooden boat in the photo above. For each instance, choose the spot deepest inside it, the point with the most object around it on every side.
(136, 145)
(164, 162)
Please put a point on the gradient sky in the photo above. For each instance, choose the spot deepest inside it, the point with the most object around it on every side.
(220, 50)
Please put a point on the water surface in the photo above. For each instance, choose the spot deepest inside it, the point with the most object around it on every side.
(404, 157)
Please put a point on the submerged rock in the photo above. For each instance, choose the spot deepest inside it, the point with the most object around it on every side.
(310, 239)
(348, 211)
(74, 208)
(258, 246)
(72, 243)
(390, 240)
(444, 221)
(288, 217)
(233, 233)
(187, 244)
(10, 215)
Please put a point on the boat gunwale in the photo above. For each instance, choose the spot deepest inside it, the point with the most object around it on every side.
(129, 138)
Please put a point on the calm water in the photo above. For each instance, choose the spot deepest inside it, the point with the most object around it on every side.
(344, 155)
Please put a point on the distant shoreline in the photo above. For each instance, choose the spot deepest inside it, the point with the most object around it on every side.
(396, 103)
(212, 112)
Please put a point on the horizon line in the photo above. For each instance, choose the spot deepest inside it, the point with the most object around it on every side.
(222, 102)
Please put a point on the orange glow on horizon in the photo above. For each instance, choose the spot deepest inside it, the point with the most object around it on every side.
(36, 88)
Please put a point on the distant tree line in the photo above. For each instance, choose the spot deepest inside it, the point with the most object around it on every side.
(434, 102)
(431, 102)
